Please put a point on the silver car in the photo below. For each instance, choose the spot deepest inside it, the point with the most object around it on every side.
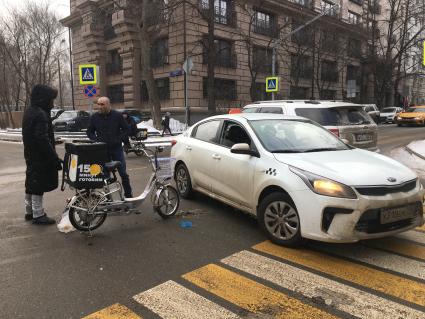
(346, 120)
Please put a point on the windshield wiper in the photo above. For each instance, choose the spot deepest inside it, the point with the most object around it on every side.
(322, 149)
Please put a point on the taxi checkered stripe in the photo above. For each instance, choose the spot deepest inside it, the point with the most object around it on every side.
(271, 171)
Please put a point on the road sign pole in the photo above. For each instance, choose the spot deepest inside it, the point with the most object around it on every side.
(273, 65)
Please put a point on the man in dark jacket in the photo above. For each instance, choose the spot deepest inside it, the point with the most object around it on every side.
(132, 129)
(109, 126)
(41, 158)
(166, 124)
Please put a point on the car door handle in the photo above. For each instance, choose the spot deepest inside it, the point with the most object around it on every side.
(188, 148)
(216, 156)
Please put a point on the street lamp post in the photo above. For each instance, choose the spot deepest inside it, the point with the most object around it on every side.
(277, 42)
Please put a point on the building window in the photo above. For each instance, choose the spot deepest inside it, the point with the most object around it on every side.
(114, 64)
(304, 3)
(223, 89)
(327, 94)
(262, 60)
(108, 30)
(374, 7)
(329, 71)
(162, 86)
(353, 18)
(354, 48)
(265, 23)
(301, 67)
(329, 42)
(159, 53)
(224, 55)
(299, 93)
(353, 73)
(116, 93)
(224, 12)
(329, 8)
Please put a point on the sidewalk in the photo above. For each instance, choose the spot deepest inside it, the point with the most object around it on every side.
(412, 155)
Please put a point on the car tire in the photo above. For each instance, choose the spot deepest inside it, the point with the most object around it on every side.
(183, 181)
(275, 210)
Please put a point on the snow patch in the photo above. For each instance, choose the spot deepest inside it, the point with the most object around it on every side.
(410, 160)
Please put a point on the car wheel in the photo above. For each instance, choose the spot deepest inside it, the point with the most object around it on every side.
(279, 219)
(183, 182)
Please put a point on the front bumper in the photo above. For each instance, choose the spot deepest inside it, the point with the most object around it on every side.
(410, 121)
(359, 218)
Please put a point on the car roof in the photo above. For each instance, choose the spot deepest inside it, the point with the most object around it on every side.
(257, 116)
(302, 104)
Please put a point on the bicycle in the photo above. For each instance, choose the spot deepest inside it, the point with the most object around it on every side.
(88, 208)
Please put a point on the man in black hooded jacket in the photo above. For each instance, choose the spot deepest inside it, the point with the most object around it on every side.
(40, 155)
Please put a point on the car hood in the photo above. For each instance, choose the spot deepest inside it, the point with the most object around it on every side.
(411, 115)
(351, 167)
(388, 113)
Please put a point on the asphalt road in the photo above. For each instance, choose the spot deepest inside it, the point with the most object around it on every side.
(175, 272)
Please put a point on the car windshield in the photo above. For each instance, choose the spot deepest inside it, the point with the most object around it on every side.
(337, 116)
(389, 110)
(249, 110)
(416, 110)
(290, 136)
(67, 115)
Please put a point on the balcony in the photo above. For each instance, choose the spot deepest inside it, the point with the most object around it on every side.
(267, 29)
(304, 3)
(222, 15)
(113, 68)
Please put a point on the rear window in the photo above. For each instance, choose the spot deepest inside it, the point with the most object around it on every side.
(250, 110)
(335, 116)
(274, 110)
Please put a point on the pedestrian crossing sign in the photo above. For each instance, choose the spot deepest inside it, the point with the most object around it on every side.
(272, 84)
(88, 74)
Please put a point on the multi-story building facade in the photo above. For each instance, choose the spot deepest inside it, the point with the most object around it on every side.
(323, 60)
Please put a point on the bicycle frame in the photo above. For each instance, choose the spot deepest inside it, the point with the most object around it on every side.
(128, 205)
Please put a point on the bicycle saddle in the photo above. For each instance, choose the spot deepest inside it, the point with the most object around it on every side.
(111, 166)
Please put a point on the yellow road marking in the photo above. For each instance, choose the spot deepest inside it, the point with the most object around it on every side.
(116, 311)
(251, 295)
(398, 246)
(390, 284)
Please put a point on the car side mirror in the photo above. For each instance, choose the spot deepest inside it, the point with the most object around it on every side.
(243, 148)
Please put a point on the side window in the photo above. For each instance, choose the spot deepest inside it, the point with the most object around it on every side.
(233, 134)
(250, 110)
(207, 131)
(275, 110)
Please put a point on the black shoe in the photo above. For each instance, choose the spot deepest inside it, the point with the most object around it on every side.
(28, 217)
(43, 220)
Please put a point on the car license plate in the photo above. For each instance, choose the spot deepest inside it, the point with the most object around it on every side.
(390, 215)
(364, 137)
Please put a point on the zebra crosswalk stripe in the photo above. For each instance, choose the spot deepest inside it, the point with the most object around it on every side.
(339, 296)
(414, 236)
(377, 280)
(397, 246)
(116, 311)
(171, 300)
(251, 295)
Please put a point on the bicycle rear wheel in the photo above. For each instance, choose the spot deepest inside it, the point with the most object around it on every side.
(79, 214)
(168, 202)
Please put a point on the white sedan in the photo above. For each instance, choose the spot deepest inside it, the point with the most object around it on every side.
(297, 178)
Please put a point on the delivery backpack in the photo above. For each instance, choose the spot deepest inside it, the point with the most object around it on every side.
(84, 165)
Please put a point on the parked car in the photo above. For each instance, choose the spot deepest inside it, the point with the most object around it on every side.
(72, 121)
(346, 120)
(389, 114)
(413, 115)
(137, 115)
(299, 179)
(373, 111)
(54, 113)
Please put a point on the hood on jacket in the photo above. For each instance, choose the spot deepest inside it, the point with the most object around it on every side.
(42, 95)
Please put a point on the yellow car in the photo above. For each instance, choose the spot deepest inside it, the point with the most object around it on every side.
(413, 115)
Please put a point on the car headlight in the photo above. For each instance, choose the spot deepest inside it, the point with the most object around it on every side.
(324, 186)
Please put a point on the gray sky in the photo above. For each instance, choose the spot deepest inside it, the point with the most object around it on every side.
(59, 6)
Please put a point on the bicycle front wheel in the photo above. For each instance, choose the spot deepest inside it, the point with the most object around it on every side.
(168, 202)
